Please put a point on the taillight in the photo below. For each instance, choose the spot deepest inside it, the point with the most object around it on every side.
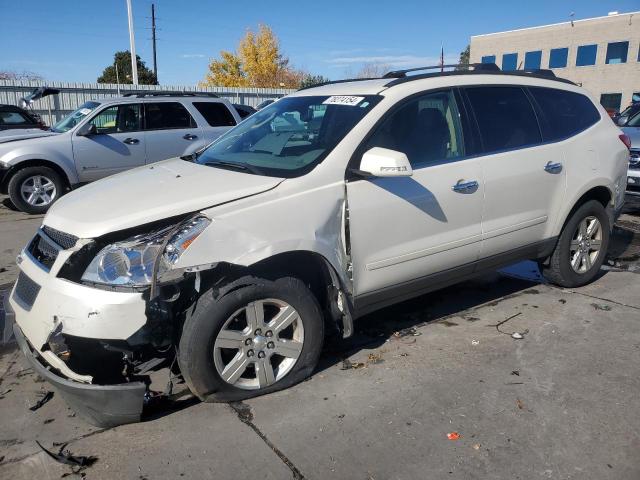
(626, 140)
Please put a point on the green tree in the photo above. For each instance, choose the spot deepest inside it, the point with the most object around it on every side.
(463, 62)
(123, 60)
(309, 80)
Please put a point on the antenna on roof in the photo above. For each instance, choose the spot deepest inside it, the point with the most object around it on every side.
(571, 15)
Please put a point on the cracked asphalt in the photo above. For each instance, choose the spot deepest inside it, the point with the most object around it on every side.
(561, 403)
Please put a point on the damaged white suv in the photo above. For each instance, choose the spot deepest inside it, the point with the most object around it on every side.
(324, 206)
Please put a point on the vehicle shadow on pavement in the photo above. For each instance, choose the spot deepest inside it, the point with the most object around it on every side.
(9, 204)
(401, 320)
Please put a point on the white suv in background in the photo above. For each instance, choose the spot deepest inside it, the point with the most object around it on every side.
(328, 204)
(108, 136)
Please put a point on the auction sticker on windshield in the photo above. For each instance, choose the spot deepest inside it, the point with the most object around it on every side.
(343, 100)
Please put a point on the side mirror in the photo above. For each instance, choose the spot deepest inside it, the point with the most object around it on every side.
(87, 130)
(622, 121)
(383, 162)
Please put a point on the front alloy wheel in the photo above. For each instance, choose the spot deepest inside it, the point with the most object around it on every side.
(38, 191)
(259, 344)
(586, 244)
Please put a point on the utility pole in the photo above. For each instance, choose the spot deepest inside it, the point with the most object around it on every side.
(132, 42)
(153, 36)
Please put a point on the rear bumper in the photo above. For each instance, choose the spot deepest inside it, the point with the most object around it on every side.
(100, 405)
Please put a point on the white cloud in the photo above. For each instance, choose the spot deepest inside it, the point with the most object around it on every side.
(193, 55)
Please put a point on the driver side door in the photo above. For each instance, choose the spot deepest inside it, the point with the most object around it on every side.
(117, 145)
(411, 233)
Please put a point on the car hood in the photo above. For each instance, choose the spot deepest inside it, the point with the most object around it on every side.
(26, 134)
(150, 193)
(634, 135)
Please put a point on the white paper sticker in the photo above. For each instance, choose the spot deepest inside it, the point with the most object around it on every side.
(343, 100)
(85, 111)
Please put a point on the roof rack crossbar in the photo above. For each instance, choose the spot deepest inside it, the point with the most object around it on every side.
(475, 66)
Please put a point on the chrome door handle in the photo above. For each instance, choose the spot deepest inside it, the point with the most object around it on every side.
(553, 167)
(465, 187)
(131, 141)
(188, 136)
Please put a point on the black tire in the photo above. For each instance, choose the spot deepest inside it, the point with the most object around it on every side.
(557, 269)
(23, 175)
(208, 316)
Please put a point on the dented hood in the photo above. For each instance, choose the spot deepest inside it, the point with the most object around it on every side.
(148, 194)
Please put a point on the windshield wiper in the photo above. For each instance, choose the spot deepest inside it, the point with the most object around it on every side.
(232, 165)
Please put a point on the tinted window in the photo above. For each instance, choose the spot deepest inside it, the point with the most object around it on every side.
(532, 60)
(14, 118)
(558, 57)
(167, 115)
(617, 52)
(509, 61)
(563, 113)
(611, 101)
(427, 129)
(216, 114)
(489, 59)
(117, 119)
(586, 55)
(505, 117)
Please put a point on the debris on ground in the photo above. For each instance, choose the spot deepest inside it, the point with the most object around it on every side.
(407, 332)
(348, 365)
(476, 446)
(48, 420)
(453, 436)
(562, 301)
(46, 396)
(475, 342)
(515, 372)
(601, 306)
(2, 394)
(76, 462)
(375, 358)
(514, 335)
(520, 404)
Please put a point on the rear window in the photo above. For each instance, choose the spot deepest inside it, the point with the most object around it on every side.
(505, 116)
(563, 113)
(13, 118)
(167, 115)
(216, 114)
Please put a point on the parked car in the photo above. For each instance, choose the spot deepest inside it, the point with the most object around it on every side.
(234, 265)
(632, 129)
(266, 103)
(244, 110)
(108, 136)
(623, 117)
(16, 122)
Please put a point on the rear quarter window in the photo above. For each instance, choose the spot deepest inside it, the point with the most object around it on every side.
(563, 113)
(216, 114)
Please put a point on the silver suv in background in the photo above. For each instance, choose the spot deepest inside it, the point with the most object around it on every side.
(108, 136)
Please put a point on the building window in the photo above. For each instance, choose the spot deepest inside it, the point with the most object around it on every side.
(509, 62)
(611, 101)
(532, 60)
(586, 55)
(617, 52)
(558, 57)
(489, 59)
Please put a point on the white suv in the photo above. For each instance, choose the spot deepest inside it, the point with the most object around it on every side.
(108, 136)
(324, 206)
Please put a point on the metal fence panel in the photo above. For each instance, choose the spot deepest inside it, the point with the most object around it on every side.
(56, 107)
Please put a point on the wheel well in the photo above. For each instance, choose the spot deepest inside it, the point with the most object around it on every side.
(601, 194)
(34, 163)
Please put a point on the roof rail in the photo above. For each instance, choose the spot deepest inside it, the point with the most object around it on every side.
(161, 93)
(458, 66)
(542, 72)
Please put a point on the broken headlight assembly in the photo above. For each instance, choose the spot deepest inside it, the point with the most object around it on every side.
(132, 262)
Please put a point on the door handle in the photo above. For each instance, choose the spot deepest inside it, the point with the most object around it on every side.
(553, 167)
(131, 141)
(465, 187)
(188, 136)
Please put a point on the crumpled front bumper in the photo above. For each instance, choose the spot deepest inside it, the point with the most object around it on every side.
(100, 405)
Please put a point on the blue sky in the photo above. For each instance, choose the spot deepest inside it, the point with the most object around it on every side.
(74, 40)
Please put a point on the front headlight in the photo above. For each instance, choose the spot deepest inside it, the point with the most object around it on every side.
(131, 262)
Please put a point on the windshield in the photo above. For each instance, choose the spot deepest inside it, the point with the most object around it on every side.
(289, 137)
(634, 121)
(70, 121)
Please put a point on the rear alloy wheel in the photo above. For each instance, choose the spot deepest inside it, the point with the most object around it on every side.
(256, 339)
(34, 189)
(581, 248)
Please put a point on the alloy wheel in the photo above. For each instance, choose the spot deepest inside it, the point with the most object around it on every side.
(38, 190)
(586, 244)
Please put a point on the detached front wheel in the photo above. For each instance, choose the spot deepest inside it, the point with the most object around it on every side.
(254, 340)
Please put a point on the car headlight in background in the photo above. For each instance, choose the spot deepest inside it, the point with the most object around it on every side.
(131, 262)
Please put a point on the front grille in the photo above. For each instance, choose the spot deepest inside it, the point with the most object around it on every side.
(26, 291)
(65, 240)
(43, 251)
(634, 160)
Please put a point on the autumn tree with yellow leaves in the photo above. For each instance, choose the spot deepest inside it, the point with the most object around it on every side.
(258, 62)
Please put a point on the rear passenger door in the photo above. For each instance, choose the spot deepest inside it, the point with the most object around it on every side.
(524, 178)
(170, 131)
(217, 117)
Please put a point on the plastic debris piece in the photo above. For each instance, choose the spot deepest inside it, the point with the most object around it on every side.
(515, 372)
(45, 398)
(601, 306)
(65, 457)
(475, 342)
(406, 332)
(520, 404)
(517, 335)
(348, 365)
(476, 446)
(453, 436)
